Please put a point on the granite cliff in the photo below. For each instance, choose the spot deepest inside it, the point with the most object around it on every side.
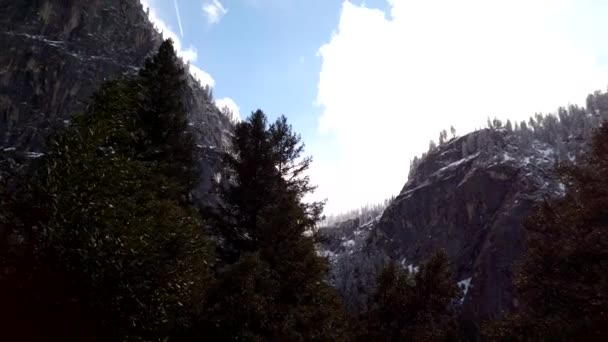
(55, 54)
(469, 196)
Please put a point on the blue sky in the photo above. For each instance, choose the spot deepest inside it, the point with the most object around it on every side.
(260, 53)
(369, 83)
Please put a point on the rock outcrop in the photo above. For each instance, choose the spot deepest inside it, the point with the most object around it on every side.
(473, 206)
(469, 196)
(55, 54)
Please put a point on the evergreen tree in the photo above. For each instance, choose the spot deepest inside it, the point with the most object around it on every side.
(263, 221)
(497, 123)
(413, 307)
(105, 248)
(163, 116)
(532, 124)
(443, 136)
(562, 282)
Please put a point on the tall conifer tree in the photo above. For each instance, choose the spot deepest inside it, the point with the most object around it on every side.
(264, 222)
(105, 248)
(163, 115)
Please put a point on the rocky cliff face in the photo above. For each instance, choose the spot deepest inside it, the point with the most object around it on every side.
(55, 54)
(472, 205)
(470, 196)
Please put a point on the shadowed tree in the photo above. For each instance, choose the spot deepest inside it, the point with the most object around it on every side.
(413, 307)
(563, 277)
(163, 116)
(104, 248)
(264, 223)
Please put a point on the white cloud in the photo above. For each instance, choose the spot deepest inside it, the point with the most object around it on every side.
(189, 55)
(214, 11)
(232, 106)
(389, 82)
(202, 76)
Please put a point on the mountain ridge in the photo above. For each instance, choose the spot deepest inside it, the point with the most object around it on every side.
(469, 196)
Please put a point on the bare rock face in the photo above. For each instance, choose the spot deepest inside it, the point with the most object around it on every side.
(473, 206)
(470, 197)
(55, 55)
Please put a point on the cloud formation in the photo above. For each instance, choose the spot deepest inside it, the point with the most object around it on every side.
(390, 81)
(214, 11)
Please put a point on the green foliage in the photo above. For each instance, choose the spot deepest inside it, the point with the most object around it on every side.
(100, 243)
(108, 250)
(563, 277)
(263, 222)
(163, 116)
(413, 307)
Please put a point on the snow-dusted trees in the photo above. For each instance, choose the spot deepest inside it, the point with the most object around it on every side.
(443, 137)
(566, 128)
(355, 277)
(563, 271)
(363, 214)
(497, 123)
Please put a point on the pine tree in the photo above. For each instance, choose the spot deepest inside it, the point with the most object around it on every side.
(262, 221)
(108, 250)
(413, 307)
(523, 125)
(443, 135)
(532, 124)
(562, 282)
(163, 116)
(496, 123)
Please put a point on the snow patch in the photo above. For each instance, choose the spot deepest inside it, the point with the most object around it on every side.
(34, 154)
(457, 163)
(507, 157)
(464, 284)
(349, 243)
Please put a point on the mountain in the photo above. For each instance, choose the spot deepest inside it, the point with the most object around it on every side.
(469, 196)
(55, 54)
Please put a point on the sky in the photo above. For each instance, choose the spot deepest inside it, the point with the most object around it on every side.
(369, 83)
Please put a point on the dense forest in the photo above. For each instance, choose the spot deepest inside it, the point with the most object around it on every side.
(103, 241)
